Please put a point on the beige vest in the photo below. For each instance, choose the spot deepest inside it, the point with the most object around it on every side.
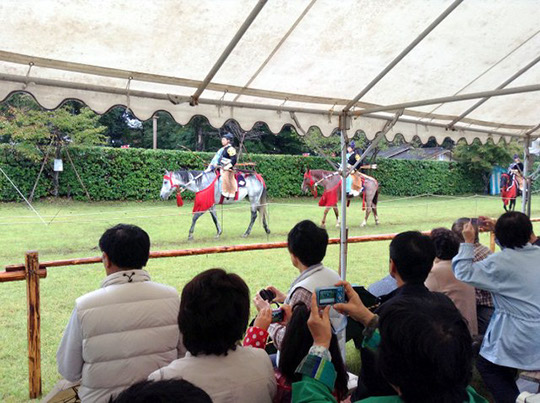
(129, 329)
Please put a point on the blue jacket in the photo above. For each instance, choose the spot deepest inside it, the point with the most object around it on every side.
(513, 277)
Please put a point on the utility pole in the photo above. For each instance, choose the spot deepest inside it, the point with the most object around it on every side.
(154, 126)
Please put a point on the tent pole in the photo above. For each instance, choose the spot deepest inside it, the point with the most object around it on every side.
(344, 123)
(404, 53)
(526, 181)
(453, 98)
(234, 41)
(480, 102)
(376, 140)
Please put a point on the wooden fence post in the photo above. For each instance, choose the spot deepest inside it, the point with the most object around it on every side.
(34, 323)
(492, 241)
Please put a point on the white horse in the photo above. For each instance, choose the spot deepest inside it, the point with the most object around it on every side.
(196, 181)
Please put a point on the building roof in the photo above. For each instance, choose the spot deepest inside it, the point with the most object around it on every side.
(408, 152)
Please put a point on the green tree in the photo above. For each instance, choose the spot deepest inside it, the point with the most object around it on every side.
(35, 130)
(479, 159)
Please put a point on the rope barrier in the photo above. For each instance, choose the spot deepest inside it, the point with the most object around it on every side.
(65, 218)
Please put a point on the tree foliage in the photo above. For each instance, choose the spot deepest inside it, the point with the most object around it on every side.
(33, 129)
(479, 159)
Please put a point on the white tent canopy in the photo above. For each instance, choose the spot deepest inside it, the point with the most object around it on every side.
(458, 69)
(295, 62)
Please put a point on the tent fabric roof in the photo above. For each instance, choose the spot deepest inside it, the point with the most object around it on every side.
(300, 62)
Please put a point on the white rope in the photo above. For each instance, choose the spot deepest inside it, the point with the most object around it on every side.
(382, 204)
(18, 191)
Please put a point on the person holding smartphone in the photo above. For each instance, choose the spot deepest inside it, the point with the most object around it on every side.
(513, 278)
(423, 344)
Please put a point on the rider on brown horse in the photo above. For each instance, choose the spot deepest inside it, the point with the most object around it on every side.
(354, 181)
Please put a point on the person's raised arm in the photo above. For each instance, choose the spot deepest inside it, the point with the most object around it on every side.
(481, 274)
(318, 371)
(354, 307)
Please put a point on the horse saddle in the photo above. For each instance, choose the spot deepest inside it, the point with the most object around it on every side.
(240, 180)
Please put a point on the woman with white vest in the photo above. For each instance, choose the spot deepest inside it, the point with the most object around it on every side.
(307, 247)
(119, 334)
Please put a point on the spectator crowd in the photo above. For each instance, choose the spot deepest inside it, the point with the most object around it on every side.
(447, 305)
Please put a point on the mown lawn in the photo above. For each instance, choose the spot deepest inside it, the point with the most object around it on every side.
(74, 228)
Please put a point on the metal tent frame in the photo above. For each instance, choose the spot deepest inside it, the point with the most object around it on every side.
(381, 118)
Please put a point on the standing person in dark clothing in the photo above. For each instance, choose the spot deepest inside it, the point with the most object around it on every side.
(411, 258)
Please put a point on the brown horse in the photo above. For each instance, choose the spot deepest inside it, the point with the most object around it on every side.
(330, 182)
(509, 191)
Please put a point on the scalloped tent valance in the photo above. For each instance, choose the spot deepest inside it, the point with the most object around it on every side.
(286, 62)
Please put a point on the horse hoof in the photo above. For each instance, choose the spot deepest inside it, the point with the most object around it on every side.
(363, 224)
(190, 238)
(323, 225)
(217, 235)
(338, 224)
(377, 222)
(245, 235)
(267, 231)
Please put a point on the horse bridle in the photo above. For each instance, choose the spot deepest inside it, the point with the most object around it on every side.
(169, 177)
(308, 176)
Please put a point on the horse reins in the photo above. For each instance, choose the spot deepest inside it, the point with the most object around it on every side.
(169, 177)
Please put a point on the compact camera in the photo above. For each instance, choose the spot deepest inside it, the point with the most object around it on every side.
(277, 315)
(267, 295)
(335, 295)
(330, 295)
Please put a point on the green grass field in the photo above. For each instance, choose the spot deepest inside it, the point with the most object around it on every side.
(74, 228)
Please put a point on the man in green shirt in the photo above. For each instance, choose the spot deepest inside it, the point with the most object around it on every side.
(423, 344)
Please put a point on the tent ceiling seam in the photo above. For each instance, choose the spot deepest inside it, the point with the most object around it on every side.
(508, 81)
(276, 48)
(488, 69)
(403, 54)
(228, 50)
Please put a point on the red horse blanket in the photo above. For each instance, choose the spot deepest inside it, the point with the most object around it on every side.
(330, 196)
(205, 198)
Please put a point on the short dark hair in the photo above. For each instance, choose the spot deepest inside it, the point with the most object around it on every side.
(457, 228)
(413, 255)
(446, 243)
(214, 312)
(296, 344)
(513, 230)
(426, 349)
(127, 246)
(170, 390)
(308, 242)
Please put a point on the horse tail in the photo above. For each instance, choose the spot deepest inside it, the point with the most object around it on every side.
(263, 212)
(375, 198)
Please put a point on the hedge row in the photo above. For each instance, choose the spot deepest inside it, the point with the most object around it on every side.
(137, 174)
